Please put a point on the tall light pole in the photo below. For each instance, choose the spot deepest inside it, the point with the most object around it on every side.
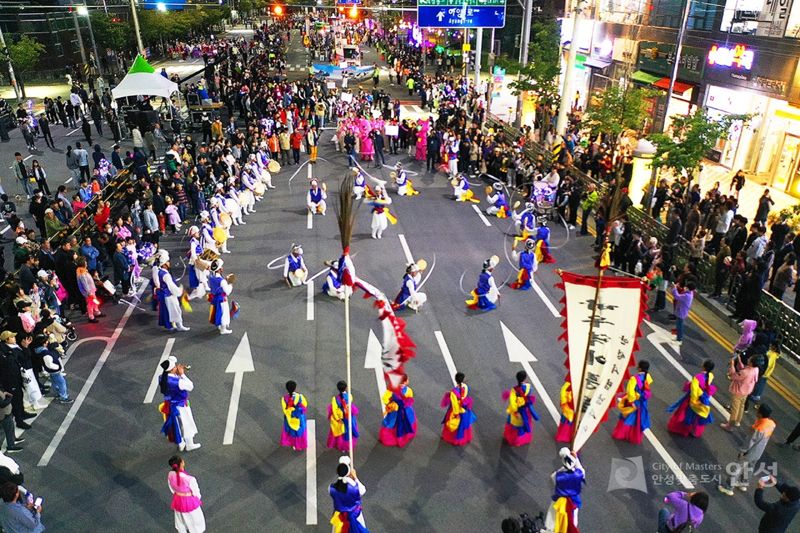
(84, 12)
(676, 63)
(525, 42)
(80, 38)
(136, 28)
(11, 75)
(569, 76)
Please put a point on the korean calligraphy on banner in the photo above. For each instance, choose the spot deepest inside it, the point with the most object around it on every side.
(611, 336)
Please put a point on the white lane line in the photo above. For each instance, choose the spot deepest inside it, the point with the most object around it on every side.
(310, 220)
(667, 458)
(151, 391)
(71, 132)
(406, 249)
(241, 362)
(27, 157)
(448, 357)
(310, 300)
(543, 396)
(311, 473)
(5, 229)
(546, 300)
(79, 399)
(481, 215)
(69, 180)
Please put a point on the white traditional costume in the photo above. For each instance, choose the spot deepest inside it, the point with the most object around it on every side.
(294, 268)
(315, 199)
(380, 212)
(219, 289)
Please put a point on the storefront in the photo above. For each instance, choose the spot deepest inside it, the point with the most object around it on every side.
(743, 80)
(654, 64)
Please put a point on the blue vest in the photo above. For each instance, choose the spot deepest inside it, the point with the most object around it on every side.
(316, 196)
(175, 394)
(294, 263)
(483, 283)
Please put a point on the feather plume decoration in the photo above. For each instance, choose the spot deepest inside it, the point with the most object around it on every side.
(346, 213)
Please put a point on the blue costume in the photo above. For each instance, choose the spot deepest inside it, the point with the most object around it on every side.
(404, 296)
(347, 508)
(485, 294)
(162, 292)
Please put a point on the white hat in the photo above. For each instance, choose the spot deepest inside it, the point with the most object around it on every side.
(491, 262)
(169, 363)
(21, 240)
(297, 248)
(215, 265)
(204, 215)
(42, 274)
(193, 230)
(497, 186)
(162, 256)
(569, 461)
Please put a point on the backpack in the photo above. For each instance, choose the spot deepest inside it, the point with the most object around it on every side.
(688, 526)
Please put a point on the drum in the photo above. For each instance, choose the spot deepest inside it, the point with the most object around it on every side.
(220, 235)
(273, 166)
(260, 188)
(225, 220)
(488, 190)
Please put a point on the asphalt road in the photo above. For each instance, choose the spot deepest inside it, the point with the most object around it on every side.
(104, 463)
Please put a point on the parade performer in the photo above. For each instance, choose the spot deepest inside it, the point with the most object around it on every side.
(219, 287)
(294, 407)
(486, 294)
(380, 212)
(346, 493)
(168, 293)
(408, 295)
(458, 420)
(339, 434)
(525, 223)
(634, 415)
(543, 242)
(186, 500)
(360, 187)
(179, 426)
(315, 199)
(461, 190)
(527, 266)
(564, 431)
(498, 204)
(692, 413)
(294, 267)
(399, 424)
(333, 286)
(518, 430)
(562, 516)
(207, 233)
(220, 223)
(404, 185)
(198, 267)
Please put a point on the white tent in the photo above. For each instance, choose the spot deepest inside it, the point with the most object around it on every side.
(143, 80)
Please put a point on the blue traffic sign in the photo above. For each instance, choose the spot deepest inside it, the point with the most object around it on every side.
(461, 16)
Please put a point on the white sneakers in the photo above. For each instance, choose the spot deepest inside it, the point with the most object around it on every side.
(225, 331)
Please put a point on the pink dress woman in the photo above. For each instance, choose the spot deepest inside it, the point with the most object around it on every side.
(186, 502)
(422, 140)
(367, 146)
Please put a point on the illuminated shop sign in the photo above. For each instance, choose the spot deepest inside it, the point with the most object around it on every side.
(738, 57)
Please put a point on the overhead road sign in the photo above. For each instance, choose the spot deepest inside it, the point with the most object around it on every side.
(461, 14)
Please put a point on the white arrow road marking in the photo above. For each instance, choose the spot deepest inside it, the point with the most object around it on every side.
(448, 358)
(87, 386)
(311, 473)
(151, 391)
(373, 361)
(546, 300)
(241, 362)
(309, 300)
(519, 353)
(661, 336)
(310, 220)
(481, 215)
(406, 249)
(667, 458)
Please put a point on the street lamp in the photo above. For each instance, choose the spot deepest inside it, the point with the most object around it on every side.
(161, 6)
(84, 12)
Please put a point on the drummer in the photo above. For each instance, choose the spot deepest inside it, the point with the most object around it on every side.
(315, 199)
(294, 267)
(404, 185)
(498, 205)
(221, 222)
(462, 191)
(526, 224)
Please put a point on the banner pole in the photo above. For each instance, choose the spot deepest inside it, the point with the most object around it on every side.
(349, 381)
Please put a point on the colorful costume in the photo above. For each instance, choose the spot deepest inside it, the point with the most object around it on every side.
(634, 415)
(498, 205)
(562, 516)
(198, 268)
(458, 420)
(486, 294)
(179, 426)
(380, 213)
(315, 199)
(399, 424)
(186, 502)
(462, 192)
(294, 268)
(408, 295)
(294, 408)
(543, 244)
(527, 266)
(333, 286)
(404, 185)
(518, 430)
(525, 223)
(692, 413)
(169, 306)
(347, 517)
(564, 431)
(339, 436)
(219, 313)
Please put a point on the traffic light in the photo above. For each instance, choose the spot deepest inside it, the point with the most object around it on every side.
(353, 12)
(278, 10)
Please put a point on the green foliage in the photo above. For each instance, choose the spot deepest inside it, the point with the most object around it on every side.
(156, 25)
(109, 34)
(617, 110)
(689, 140)
(541, 72)
(25, 53)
